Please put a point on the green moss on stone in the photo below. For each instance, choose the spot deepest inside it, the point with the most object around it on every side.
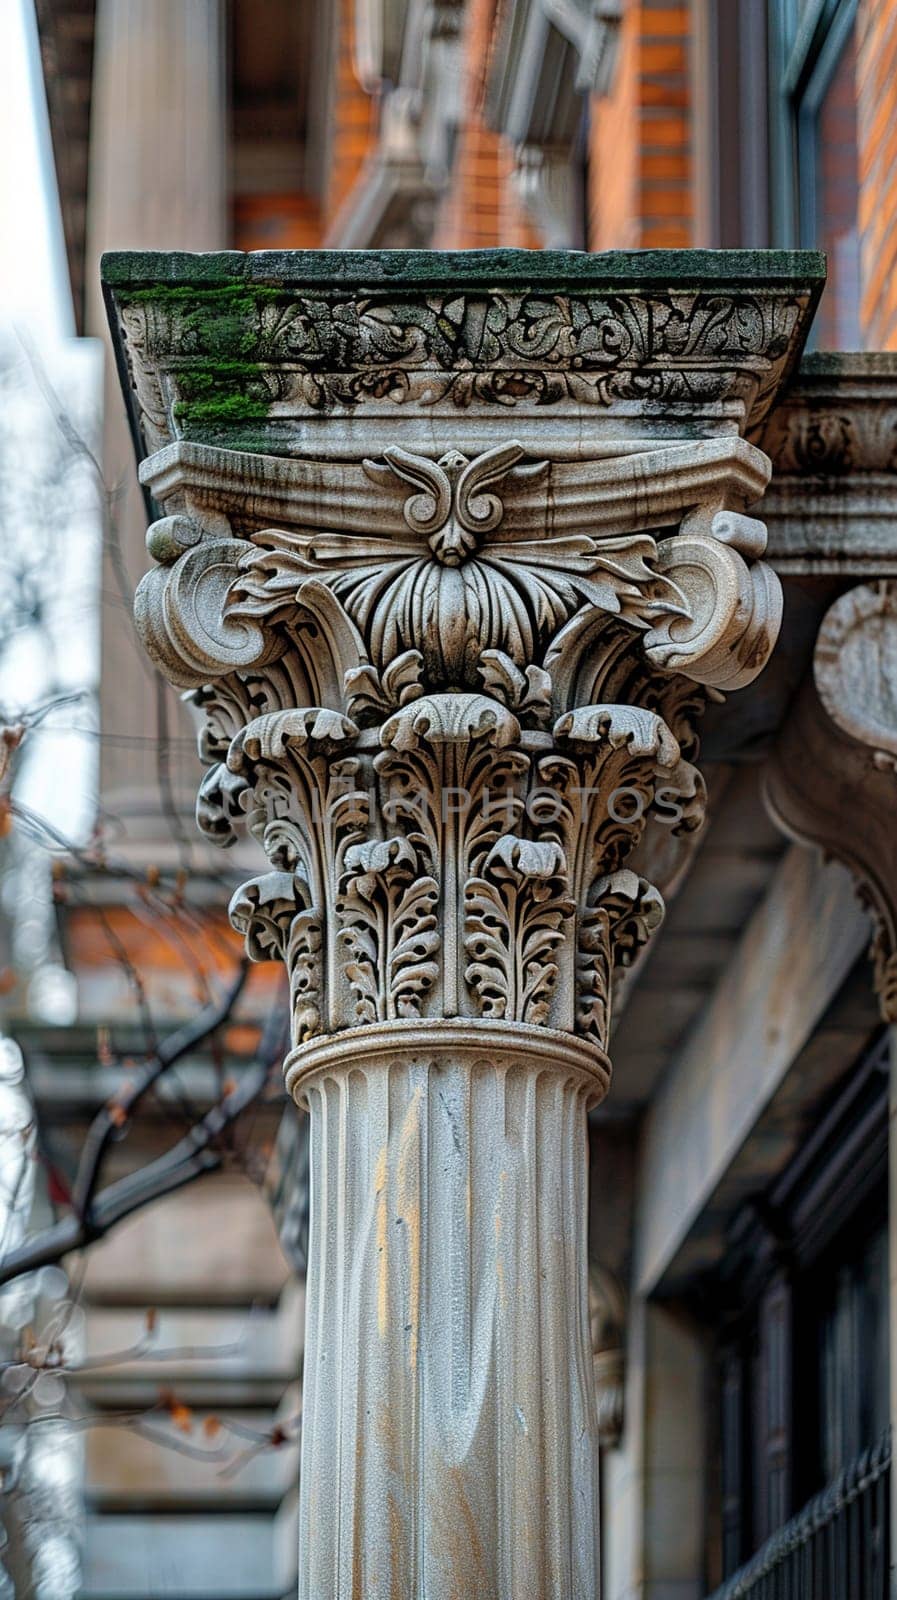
(214, 331)
(219, 322)
(550, 270)
(220, 392)
(191, 414)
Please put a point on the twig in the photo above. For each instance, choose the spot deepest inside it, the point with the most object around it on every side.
(112, 1118)
(200, 1152)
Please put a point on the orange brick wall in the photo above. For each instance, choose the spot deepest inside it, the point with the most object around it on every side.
(354, 119)
(481, 208)
(639, 150)
(300, 221)
(640, 172)
(877, 137)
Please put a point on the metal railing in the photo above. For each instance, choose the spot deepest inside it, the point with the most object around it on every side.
(836, 1548)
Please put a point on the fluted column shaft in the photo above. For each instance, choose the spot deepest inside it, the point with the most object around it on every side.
(449, 1444)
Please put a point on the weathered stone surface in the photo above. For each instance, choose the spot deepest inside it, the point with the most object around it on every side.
(450, 606)
(833, 780)
(251, 351)
(831, 506)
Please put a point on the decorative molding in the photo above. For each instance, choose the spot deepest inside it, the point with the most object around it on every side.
(316, 351)
(422, 337)
(608, 1305)
(833, 780)
(831, 506)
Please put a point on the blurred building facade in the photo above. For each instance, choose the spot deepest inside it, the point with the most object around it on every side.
(741, 1292)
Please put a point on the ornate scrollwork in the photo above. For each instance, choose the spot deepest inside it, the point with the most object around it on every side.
(734, 608)
(328, 348)
(414, 724)
(183, 618)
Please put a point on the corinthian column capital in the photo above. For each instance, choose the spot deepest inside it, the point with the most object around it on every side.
(451, 551)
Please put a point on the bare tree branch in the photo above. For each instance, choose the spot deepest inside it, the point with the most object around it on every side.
(198, 1154)
(112, 1118)
(200, 1151)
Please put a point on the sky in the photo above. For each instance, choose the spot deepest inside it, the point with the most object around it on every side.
(37, 326)
(33, 280)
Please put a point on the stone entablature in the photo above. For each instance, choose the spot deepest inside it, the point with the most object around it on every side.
(253, 351)
(451, 551)
(831, 506)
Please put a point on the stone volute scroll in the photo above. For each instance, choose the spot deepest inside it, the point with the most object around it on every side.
(450, 553)
(833, 780)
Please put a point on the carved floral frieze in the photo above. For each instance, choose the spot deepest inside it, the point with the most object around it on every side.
(335, 350)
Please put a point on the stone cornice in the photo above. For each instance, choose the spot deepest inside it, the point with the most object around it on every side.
(831, 507)
(257, 351)
(646, 488)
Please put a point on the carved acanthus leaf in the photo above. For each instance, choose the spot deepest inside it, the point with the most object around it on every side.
(625, 912)
(450, 719)
(528, 693)
(389, 932)
(262, 910)
(515, 916)
(272, 737)
(277, 921)
(221, 804)
(457, 584)
(371, 694)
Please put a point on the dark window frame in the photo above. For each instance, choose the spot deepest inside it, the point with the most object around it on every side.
(836, 1183)
(731, 130)
(805, 45)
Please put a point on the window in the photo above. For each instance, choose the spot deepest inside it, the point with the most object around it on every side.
(813, 150)
(776, 139)
(843, 1327)
(803, 1361)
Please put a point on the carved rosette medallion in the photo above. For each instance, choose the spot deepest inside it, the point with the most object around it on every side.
(449, 624)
